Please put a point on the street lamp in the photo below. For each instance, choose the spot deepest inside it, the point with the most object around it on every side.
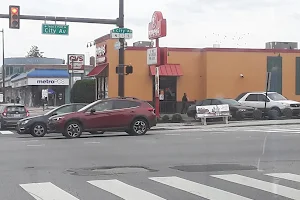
(3, 67)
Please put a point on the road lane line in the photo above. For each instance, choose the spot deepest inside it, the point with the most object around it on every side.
(92, 142)
(7, 132)
(172, 134)
(46, 191)
(261, 185)
(286, 176)
(197, 189)
(35, 145)
(123, 190)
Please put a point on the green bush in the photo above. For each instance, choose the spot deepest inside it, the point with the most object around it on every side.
(83, 91)
(177, 118)
(165, 118)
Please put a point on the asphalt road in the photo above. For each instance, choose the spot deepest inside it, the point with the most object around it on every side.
(234, 163)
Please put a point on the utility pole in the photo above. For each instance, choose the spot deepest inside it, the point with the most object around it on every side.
(3, 66)
(121, 81)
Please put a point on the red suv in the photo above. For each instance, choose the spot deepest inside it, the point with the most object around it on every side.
(127, 114)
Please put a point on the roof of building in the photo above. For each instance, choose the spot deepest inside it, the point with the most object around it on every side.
(32, 61)
(43, 73)
(53, 73)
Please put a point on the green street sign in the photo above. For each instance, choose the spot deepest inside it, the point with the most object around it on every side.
(117, 33)
(54, 29)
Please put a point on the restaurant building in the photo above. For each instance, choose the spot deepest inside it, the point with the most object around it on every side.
(199, 72)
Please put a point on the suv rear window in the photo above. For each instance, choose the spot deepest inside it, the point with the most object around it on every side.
(14, 109)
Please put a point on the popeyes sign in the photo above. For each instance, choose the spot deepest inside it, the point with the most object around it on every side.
(157, 27)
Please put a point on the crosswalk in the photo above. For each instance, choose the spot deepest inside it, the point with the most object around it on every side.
(7, 132)
(267, 129)
(190, 188)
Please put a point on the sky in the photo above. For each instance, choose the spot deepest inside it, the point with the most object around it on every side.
(190, 23)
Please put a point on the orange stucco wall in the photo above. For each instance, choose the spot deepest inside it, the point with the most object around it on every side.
(207, 73)
(224, 69)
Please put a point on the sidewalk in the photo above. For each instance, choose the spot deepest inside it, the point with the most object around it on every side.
(39, 110)
(197, 125)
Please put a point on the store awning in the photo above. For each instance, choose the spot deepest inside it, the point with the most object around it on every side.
(97, 70)
(167, 70)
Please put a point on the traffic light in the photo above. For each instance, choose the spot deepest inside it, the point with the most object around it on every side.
(14, 17)
(129, 69)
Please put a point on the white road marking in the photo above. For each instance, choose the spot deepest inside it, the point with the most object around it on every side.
(92, 142)
(261, 185)
(172, 134)
(46, 191)
(286, 176)
(35, 145)
(124, 191)
(198, 189)
(25, 141)
(7, 132)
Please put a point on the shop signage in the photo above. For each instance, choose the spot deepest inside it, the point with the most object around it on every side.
(157, 28)
(48, 81)
(76, 63)
(153, 56)
(101, 54)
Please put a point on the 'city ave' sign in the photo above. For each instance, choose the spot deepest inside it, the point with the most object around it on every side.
(54, 29)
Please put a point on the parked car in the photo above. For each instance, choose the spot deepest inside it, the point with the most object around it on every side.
(11, 114)
(237, 110)
(127, 114)
(37, 125)
(278, 104)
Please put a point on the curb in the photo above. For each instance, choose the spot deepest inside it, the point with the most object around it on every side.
(199, 128)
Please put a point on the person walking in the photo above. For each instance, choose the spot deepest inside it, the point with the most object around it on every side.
(184, 103)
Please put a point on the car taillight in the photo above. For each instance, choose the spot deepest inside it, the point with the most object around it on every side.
(4, 113)
(27, 112)
(151, 109)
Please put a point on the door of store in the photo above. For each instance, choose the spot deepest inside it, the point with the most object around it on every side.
(168, 91)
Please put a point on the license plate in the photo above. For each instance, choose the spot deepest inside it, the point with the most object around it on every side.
(17, 115)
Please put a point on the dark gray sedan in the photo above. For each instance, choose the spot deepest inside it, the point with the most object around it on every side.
(37, 125)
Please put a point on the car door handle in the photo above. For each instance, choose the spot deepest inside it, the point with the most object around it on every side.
(132, 111)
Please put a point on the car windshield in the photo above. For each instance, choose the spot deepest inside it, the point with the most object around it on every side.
(276, 97)
(51, 111)
(230, 102)
(87, 106)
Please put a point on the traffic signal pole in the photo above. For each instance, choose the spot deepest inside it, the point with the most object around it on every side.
(121, 77)
(118, 22)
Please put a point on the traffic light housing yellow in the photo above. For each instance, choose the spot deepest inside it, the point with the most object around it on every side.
(14, 17)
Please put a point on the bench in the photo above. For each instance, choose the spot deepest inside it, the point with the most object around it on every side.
(212, 112)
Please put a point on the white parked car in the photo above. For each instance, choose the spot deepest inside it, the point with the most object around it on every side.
(275, 102)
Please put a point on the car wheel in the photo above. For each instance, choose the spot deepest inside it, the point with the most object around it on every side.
(96, 132)
(287, 113)
(273, 114)
(73, 130)
(139, 127)
(257, 114)
(38, 130)
(239, 116)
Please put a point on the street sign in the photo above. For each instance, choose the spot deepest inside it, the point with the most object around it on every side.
(117, 45)
(121, 33)
(54, 29)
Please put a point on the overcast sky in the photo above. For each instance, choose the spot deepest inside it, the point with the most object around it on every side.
(190, 23)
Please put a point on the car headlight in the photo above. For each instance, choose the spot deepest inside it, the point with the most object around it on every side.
(24, 122)
(242, 110)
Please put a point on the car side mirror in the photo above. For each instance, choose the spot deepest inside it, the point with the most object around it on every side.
(93, 111)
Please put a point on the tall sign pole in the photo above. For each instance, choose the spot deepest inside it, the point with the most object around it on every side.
(3, 66)
(121, 82)
(157, 28)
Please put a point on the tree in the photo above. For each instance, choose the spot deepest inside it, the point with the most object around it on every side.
(83, 91)
(34, 52)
